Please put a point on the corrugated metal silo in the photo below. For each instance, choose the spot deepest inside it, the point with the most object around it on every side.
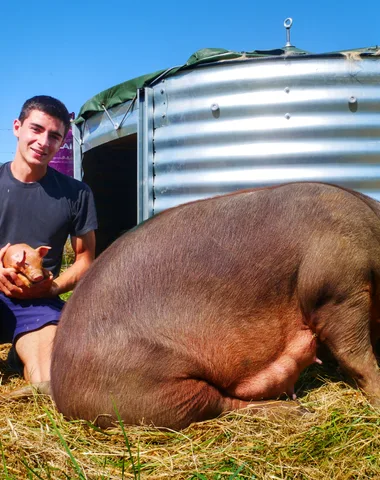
(227, 121)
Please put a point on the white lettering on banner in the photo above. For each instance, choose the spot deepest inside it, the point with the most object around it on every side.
(67, 146)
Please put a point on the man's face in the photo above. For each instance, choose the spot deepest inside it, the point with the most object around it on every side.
(39, 138)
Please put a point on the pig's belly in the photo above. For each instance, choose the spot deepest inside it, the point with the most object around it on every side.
(280, 375)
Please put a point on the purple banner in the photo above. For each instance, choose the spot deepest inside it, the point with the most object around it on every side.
(64, 159)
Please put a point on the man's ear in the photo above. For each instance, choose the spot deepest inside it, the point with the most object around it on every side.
(63, 139)
(16, 127)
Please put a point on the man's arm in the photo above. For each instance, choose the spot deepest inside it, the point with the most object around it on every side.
(84, 250)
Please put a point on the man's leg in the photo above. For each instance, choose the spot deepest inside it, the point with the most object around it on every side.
(31, 325)
(34, 350)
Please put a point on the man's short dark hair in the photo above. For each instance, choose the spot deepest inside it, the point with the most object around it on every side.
(49, 105)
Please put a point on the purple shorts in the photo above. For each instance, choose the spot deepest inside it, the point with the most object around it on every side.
(22, 316)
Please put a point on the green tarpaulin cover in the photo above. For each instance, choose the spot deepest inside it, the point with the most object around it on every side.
(127, 90)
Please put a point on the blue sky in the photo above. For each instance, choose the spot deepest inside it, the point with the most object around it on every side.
(75, 49)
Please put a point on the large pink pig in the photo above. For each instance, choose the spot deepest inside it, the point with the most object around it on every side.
(217, 304)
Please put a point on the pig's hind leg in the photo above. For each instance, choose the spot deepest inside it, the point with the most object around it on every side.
(193, 400)
(338, 308)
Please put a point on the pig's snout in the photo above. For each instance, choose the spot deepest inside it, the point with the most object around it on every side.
(35, 277)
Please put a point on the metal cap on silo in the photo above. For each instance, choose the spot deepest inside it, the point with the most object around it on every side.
(288, 22)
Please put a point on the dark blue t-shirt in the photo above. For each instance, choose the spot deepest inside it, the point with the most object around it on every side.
(45, 212)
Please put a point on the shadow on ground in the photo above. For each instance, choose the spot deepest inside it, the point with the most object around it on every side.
(6, 370)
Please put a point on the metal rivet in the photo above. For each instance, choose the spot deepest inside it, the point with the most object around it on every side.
(352, 99)
(287, 89)
(163, 115)
(287, 116)
(162, 91)
(214, 107)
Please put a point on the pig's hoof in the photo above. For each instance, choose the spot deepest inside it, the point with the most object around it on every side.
(296, 411)
(304, 412)
(280, 409)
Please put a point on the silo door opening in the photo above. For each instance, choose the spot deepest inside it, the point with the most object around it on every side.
(111, 172)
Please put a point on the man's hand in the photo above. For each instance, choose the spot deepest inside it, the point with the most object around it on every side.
(10, 283)
(44, 289)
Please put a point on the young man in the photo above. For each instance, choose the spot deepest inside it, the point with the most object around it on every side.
(41, 206)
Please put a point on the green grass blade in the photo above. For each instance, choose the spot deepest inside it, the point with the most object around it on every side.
(234, 475)
(136, 471)
(75, 464)
(4, 461)
(30, 470)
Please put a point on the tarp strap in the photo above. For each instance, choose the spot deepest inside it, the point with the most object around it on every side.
(128, 110)
(163, 74)
(116, 126)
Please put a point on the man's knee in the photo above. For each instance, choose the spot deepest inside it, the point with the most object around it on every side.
(34, 349)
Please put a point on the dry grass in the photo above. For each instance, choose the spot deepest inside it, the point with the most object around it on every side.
(68, 255)
(339, 440)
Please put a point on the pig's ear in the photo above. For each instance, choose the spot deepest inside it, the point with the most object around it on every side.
(19, 257)
(42, 251)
